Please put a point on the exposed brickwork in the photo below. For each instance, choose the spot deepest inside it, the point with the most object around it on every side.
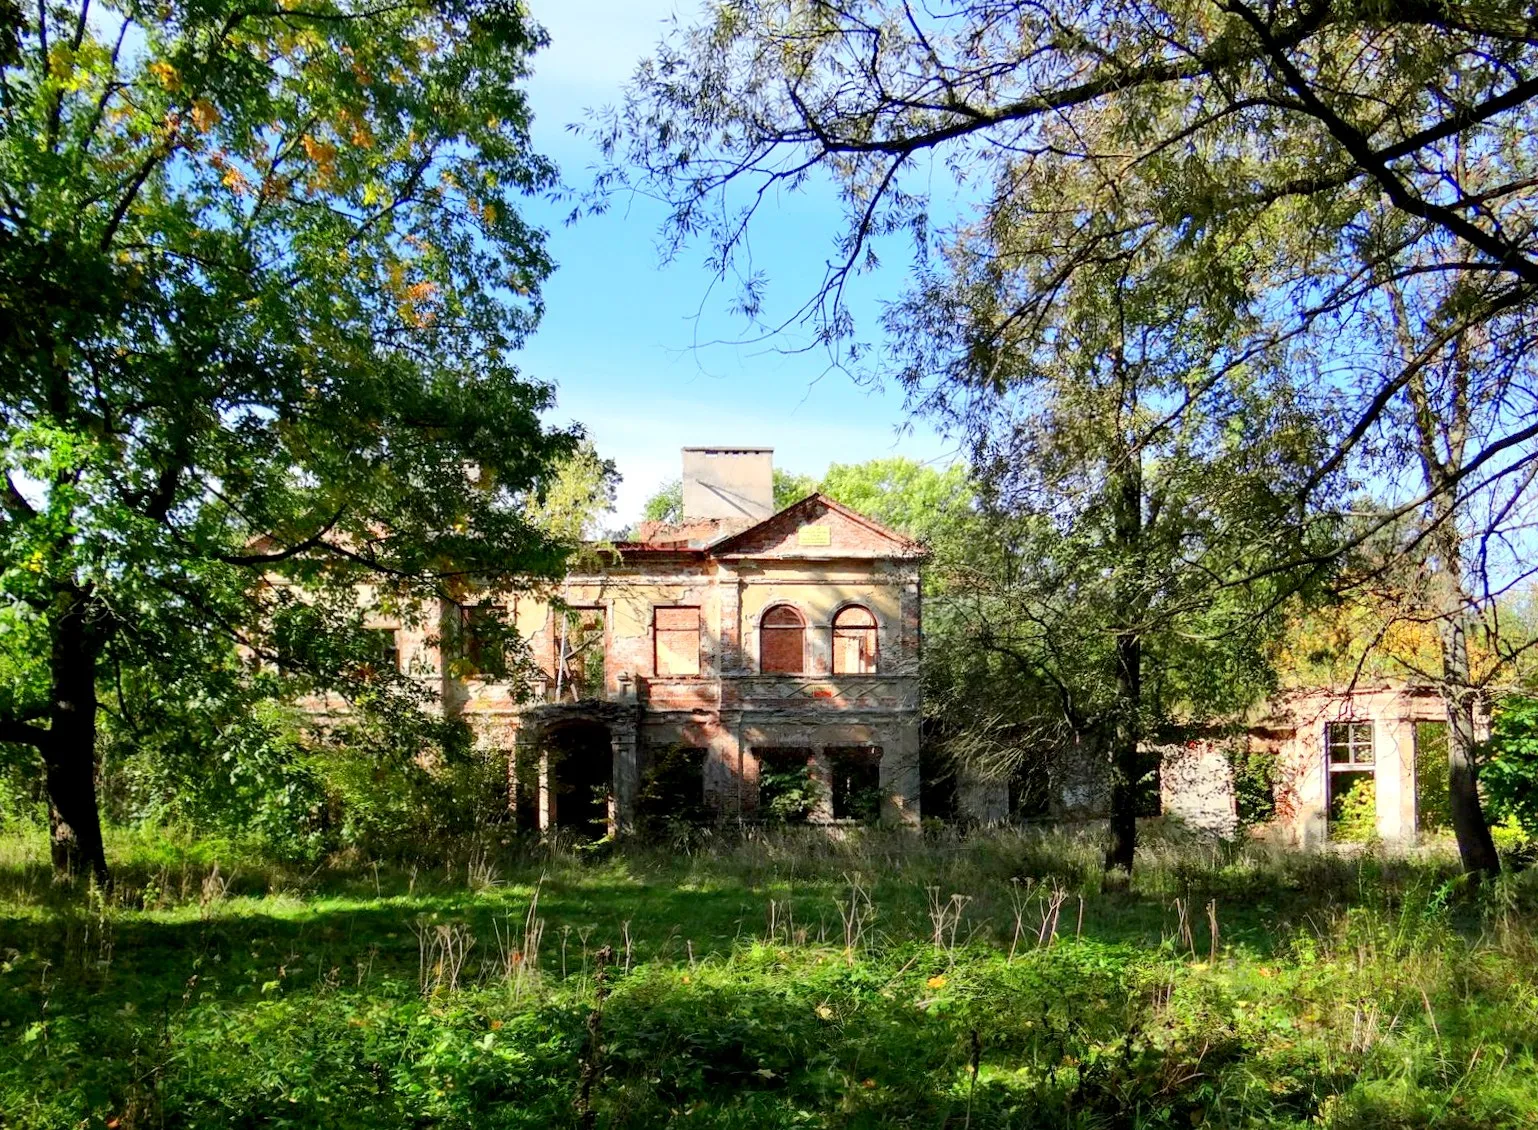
(732, 574)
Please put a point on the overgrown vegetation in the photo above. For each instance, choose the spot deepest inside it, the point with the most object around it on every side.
(767, 980)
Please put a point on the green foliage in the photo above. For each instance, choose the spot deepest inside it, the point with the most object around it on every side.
(1254, 776)
(233, 991)
(930, 504)
(1353, 808)
(671, 792)
(580, 492)
(787, 792)
(1433, 802)
(262, 276)
(667, 505)
(1509, 775)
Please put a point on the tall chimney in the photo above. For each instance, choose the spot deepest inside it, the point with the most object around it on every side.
(728, 482)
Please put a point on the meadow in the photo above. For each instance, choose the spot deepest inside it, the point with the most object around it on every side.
(757, 979)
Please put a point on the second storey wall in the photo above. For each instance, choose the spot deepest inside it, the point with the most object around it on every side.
(732, 600)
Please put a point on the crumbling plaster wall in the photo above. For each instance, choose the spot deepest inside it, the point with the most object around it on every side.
(1196, 786)
(1302, 786)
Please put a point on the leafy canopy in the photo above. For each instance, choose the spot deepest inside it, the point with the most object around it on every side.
(262, 273)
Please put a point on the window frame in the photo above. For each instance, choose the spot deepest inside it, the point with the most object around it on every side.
(574, 665)
(765, 628)
(872, 631)
(1351, 745)
(1339, 771)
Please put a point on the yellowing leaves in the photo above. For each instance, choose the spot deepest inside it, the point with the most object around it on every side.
(356, 129)
(205, 115)
(61, 61)
(323, 156)
(415, 304)
(166, 75)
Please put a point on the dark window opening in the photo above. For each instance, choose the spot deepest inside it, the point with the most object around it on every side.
(856, 773)
(788, 788)
(677, 639)
(580, 645)
(581, 760)
(1030, 795)
(523, 784)
(782, 648)
(383, 653)
(1353, 788)
(938, 791)
(482, 640)
(1433, 802)
(672, 788)
(854, 642)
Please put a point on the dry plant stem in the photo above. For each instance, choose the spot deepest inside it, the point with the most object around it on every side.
(442, 950)
(1050, 907)
(856, 914)
(1017, 903)
(591, 1063)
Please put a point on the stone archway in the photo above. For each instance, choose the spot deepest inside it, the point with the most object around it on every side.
(574, 765)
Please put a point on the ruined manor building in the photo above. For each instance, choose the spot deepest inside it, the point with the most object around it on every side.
(741, 662)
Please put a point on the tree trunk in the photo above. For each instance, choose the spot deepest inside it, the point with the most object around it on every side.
(1127, 505)
(1476, 847)
(70, 754)
(1440, 438)
(1125, 759)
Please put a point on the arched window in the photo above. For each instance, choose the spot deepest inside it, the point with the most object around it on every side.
(782, 641)
(854, 642)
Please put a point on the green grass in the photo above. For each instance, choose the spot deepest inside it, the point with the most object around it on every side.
(782, 980)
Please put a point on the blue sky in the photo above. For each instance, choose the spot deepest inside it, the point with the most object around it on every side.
(627, 340)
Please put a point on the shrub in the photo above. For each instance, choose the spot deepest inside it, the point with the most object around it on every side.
(1254, 774)
(1510, 772)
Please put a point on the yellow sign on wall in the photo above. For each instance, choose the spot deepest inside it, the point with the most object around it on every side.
(814, 535)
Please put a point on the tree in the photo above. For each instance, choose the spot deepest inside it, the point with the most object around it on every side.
(1311, 156)
(1137, 475)
(912, 498)
(261, 272)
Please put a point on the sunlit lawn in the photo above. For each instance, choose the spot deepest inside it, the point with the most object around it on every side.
(786, 980)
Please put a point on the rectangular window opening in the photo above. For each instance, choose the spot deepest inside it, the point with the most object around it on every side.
(1353, 790)
(856, 782)
(1433, 802)
(788, 788)
(580, 654)
(677, 640)
(672, 787)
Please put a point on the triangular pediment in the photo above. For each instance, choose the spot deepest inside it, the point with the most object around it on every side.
(818, 527)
